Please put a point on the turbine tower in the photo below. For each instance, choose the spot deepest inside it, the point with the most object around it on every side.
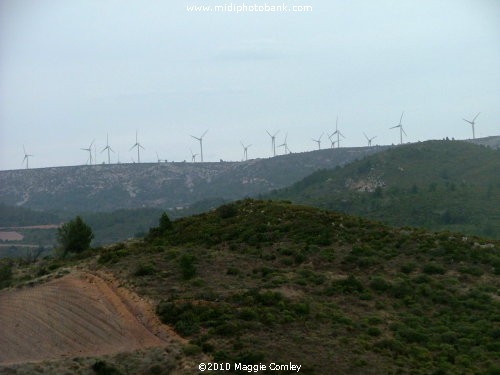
(193, 156)
(107, 148)
(337, 131)
(245, 151)
(369, 139)
(318, 141)
(273, 141)
(473, 122)
(401, 130)
(26, 157)
(89, 150)
(200, 139)
(332, 143)
(139, 146)
(285, 145)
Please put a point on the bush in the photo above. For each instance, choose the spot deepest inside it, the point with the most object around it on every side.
(188, 269)
(433, 269)
(74, 236)
(144, 270)
(165, 223)
(5, 273)
(102, 368)
(347, 286)
(379, 284)
(226, 211)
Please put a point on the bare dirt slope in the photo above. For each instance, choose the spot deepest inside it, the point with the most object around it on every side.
(77, 315)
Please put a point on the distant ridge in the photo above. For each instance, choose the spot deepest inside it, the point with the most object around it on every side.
(166, 185)
(493, 141)
(439, 185)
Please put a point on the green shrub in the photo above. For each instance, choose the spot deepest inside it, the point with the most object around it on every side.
(233, 271)
(145, 270)
(374, 331)
(408, 268)
(228, 210)
(191, 349)
(379, 284)
(433, 269)
(186, 263)
(474, 271)
(5, 273)
(346, 286)
(103, 368)
(74, 236)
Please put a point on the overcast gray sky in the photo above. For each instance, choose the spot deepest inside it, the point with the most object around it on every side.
(72, 71)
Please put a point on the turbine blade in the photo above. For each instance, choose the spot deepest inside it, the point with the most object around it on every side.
(401, 117)
(366, 136)
(269, 134)
(195, 137)
(132, 147)
(403, 130)
(204, 133)
(474, 119)
(394, 127)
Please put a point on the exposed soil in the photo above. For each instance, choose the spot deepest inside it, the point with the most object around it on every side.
(10, 236)
(80, 314)
(45, 226)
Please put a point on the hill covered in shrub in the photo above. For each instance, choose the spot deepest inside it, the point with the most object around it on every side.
(258, 281)
(438, 185)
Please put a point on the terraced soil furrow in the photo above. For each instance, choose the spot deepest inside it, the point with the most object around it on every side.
(76, 315)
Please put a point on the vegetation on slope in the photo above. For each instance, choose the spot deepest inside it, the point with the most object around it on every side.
(258, 281)
(439, 185)
(12, 216)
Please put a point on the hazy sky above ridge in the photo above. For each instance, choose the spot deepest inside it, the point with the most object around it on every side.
(73, 71)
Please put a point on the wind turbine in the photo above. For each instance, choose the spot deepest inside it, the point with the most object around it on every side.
(273, 141)
(89, 150)
(107, 148)
(200, 139)
(473, 122)
(337, 131)
(369, 139)
(139, 146)
(318, 141)
(193, 156)
(157, 157)
(400, 126)
(285, 145)
(332, 143)
(245, 150)
(26, 157)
